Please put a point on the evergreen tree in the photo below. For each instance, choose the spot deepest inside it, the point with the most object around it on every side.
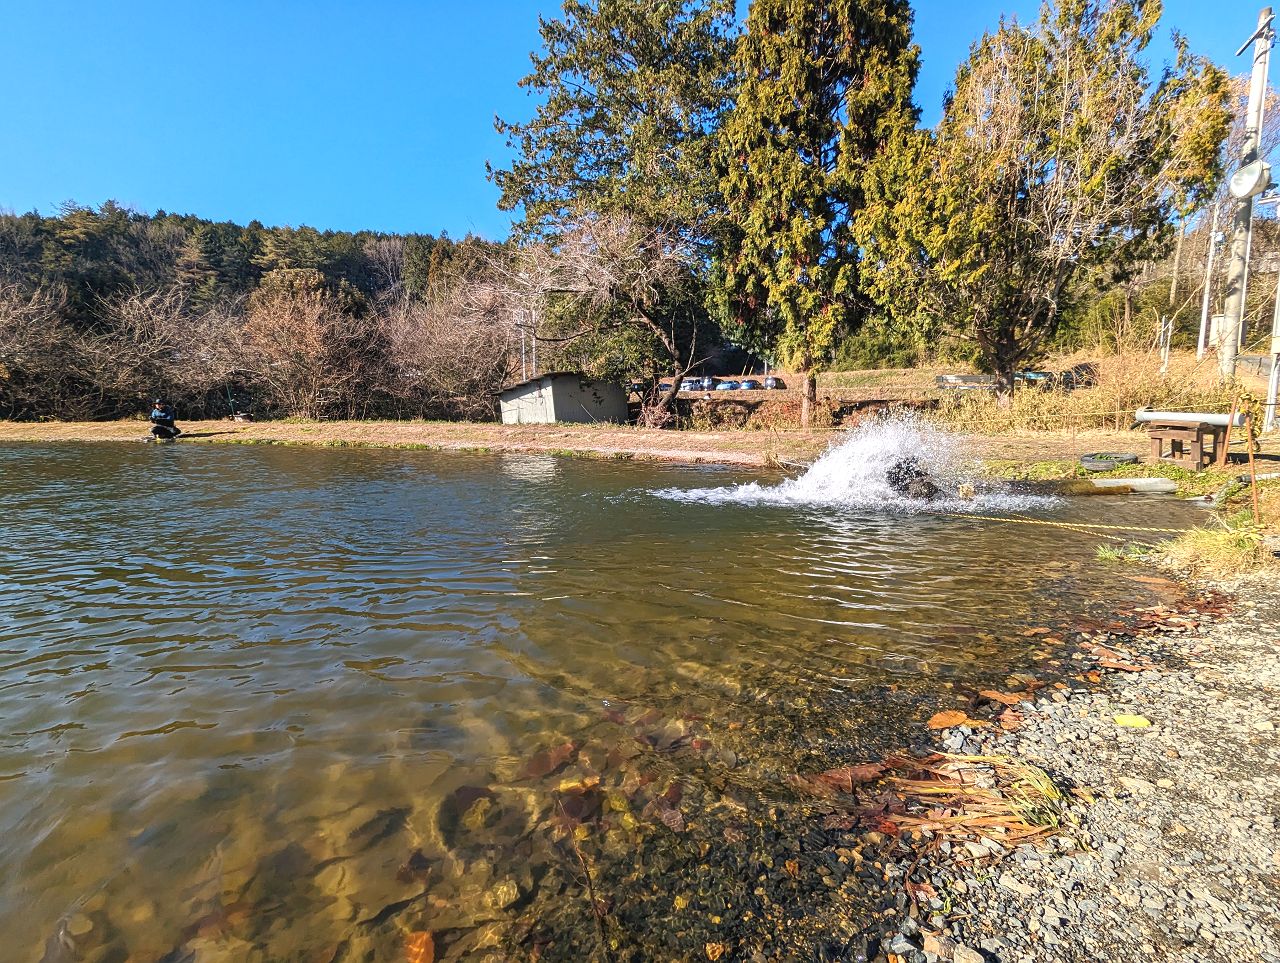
(1056, 155)
(195, 267)
(824, 84)
(632, 93)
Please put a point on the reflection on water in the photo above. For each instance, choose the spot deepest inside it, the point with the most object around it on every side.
(297, 703)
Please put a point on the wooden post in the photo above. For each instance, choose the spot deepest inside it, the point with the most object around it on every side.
(1226, 440)
(1253, 473)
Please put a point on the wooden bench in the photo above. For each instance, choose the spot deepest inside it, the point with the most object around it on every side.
(1192, 445)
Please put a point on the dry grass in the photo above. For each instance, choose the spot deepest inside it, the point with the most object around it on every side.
(1235, 546)
(980, 796)
(1120, 384)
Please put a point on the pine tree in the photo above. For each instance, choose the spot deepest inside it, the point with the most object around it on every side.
(824, 84)
(195, 269)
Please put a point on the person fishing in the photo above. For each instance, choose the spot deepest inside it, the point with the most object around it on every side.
(162, 421)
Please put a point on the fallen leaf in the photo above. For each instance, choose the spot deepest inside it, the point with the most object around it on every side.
(1153, 580)
(792, 867)
(1133, 722)
(547, 761)
(1121, 666)
(919, 891)
(1008, 698)
(845, 778)
(1038, 630)
(715, 950)
(1009, 719)
(946, 719)
(419, 947)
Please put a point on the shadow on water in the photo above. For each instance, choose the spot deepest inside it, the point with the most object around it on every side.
(280, 703)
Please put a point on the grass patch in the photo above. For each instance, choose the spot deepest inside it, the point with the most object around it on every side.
(1191, 484)
(1127, 552)
(1231, 549)
(1118, 385)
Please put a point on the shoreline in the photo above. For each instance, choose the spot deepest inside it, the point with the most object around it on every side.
(763, 449)
(1164, 748)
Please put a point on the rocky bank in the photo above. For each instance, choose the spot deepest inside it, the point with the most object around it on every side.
(1169, 847)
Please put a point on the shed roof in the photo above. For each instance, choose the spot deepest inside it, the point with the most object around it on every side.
(545, 374)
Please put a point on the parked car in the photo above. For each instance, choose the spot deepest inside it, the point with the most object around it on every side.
(691, 384)
(771, 382)
(664, 386)
(749, 385)
(708, 383)
(727, 386)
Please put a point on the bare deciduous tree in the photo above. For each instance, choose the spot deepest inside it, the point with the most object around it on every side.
(38, 354)
(609, 273)
(309, 357)
(451, 354)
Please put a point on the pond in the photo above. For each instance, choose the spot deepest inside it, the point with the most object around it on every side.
(269, 703)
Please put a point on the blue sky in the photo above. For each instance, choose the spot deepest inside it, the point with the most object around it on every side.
(340, 115)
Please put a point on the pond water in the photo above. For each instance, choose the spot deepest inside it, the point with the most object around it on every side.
(265, 703)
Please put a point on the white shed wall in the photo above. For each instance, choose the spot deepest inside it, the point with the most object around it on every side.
(587, 401)
(533, 405)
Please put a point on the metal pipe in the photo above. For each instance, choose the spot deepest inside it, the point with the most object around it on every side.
(1199, 417)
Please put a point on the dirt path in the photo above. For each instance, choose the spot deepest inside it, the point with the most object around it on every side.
(747, 448)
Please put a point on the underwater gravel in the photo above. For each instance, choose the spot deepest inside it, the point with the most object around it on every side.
(1178, 856)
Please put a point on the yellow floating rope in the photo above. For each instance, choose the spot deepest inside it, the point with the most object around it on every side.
(1079, 526)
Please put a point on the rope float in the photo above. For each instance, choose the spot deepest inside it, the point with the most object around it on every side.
(1088, 527)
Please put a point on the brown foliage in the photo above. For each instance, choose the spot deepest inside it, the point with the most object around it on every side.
(309, 354)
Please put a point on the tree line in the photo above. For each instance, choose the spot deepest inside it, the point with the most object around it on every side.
(685, 181)
(100, 309)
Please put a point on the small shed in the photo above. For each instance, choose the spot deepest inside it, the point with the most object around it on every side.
(562, 396)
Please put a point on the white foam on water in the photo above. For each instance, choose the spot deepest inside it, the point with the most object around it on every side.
(852, 474)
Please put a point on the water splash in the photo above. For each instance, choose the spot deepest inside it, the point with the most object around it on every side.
(852, 474)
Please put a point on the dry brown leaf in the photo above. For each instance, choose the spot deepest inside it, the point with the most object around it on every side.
(1153, 580)
(1008, 698)
(845, 778)
(547, 761)
(947, 718)
(1009, 719)
(419, 947)
(715, 950)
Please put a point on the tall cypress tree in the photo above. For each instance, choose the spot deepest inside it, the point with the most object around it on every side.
(823, 85)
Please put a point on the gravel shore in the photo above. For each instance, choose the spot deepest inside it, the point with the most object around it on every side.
(1169, 850)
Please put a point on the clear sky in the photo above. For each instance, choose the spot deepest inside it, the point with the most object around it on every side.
(375, 114)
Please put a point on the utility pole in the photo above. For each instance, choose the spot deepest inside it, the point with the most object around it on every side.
(1251, 179)
(1202, 343)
